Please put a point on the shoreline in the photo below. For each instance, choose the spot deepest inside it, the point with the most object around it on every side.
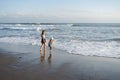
(6, 46)
(24, 62)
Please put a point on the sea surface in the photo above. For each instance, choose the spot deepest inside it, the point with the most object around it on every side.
(88, 39)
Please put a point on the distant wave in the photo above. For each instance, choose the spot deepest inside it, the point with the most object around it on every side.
(104, 40)
(97, 24)
(16, 28)
(9, 36)
(113, 39)
(28, 28)
(35, 24)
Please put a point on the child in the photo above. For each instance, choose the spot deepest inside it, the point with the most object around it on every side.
(50, 44)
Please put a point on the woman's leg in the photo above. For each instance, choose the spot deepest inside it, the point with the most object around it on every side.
(44, 53)
(44, 47)
(41, 47)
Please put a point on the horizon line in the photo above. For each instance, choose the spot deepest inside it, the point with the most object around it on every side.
(58, 22)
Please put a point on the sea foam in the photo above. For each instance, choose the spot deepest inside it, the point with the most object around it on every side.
(91, 48)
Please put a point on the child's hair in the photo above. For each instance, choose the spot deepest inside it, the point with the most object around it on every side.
(50, 40)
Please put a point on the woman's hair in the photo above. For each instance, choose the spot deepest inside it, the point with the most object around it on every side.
(43, 31)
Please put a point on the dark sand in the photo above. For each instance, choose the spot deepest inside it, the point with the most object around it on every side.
(24, 62)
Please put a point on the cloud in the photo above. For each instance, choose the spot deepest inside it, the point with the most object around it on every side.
(67, 15)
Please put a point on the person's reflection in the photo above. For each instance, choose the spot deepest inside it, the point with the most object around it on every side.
(50, 58)
(42, 55)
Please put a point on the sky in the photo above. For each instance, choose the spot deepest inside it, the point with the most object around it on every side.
(60, 11)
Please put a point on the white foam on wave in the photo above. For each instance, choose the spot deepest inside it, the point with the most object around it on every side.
(86, 48)
(20, 40)
(38, 29)
(26, 27)
(22, 28)
(47, 26)
(29, 28)
(19, 28)
(20, 25)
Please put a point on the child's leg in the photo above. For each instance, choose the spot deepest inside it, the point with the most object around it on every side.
(50, 49)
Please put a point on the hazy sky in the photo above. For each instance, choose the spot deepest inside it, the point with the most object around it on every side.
(82, 11)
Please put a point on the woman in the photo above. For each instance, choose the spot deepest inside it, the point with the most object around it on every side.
(43, 40)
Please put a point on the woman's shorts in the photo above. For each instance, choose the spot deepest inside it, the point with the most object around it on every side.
(43, 41)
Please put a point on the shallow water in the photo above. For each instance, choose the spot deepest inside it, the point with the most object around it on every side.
(93, 39)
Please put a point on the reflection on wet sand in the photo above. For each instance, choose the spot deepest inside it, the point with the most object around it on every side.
(43, 56)
(50, 59)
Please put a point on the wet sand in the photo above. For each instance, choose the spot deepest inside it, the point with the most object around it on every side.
(25, 62)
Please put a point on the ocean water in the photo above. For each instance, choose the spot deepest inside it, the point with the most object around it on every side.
(88, 39)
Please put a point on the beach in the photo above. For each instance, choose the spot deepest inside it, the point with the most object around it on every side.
(82, 39)
(24, 62)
